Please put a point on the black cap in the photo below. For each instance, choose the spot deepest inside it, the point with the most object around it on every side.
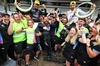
(60, 15)
(53, 16)
(5, 14)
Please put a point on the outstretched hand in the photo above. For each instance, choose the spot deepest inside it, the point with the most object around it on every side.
(25, 27)
(43, 6)
(19, 4)
(82, 29)
(92, 6)
(11, 19)
(74, 13)
(45, 28)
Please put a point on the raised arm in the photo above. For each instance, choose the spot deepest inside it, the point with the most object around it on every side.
(83, 39)
(22, 29)
(92, 53)
(85, 13)
(49, 12)
(10, 28)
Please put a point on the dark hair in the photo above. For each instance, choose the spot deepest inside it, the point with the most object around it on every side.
(82, 19)
(28, 14)
(74, 28)
(15, 14)
(30, 20)
(65, 18)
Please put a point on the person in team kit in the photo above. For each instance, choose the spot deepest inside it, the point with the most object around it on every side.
(71, 13)
(19, 38)
(71, 42)
(6, 46)
(31, 40)
(35, 12)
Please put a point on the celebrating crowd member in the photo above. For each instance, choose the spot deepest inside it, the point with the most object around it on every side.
(72, 40)
(28, 16)
(46, 26)
(31, 40)
(69, 52)
(61, 26)
(6, 47)
(80, 39)
(19, 38)
(53, 32)
(80, 24)
(88, 21)
(71, 13)
(93, 44)
(35, 12)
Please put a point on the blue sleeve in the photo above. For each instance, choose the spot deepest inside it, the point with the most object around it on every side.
(97, 48)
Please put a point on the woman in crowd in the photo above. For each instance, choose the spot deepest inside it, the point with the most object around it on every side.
(84, 54)
(71, 42)
(93, 44)
(19, 38)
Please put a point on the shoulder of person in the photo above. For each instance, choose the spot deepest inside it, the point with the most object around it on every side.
(78, 9)
(0, 22)
(68, 11)
(97, 48)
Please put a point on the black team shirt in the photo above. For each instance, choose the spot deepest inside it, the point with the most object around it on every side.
(3, 30)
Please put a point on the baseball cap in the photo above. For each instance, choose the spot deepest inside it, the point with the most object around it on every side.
(37, 2)
(5, 14)
(73, 3)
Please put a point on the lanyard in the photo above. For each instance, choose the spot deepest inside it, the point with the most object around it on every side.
(75, 45)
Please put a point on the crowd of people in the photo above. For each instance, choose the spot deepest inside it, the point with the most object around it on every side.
(34, 30)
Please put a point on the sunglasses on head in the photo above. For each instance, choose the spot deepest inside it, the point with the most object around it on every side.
(37, 4)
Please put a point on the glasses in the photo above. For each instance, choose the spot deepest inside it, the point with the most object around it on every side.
(37, 4)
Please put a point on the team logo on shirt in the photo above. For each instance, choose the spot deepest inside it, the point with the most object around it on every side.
(37, 13)
(33, 10)
(2, 25)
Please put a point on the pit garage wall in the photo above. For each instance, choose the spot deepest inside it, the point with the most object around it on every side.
(11, 8)
(95, 14)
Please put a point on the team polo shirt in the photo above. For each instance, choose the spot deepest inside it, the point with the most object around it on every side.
(24, 21)
(86, 30)
(18, 37)
(30, 35)
(75, 18)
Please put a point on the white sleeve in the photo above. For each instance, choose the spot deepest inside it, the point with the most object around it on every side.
(82, 12)
(69, 16)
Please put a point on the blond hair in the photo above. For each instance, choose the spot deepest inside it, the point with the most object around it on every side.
(97, 36)
(73, 39)
(30, 20)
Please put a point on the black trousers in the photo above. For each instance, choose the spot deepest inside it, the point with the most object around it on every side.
(94, 61)
(53, 41)
(47, 39)
(38, 39)
(6, 49)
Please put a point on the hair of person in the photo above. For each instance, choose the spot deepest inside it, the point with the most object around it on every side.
(97, 36)
(46, 17)
(73, 39)
(97, 22)
(30, 20)
(65, 18)
(42, 16)
(19, 12)
(15, 14)
(28, 14)
(82, 19)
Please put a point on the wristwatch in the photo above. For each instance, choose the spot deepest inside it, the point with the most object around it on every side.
(22, 28)
(89, 46)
